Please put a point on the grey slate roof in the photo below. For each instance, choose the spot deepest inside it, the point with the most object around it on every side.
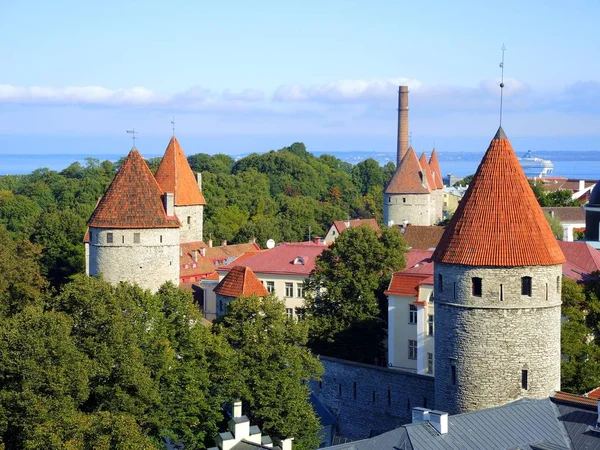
(578, 422)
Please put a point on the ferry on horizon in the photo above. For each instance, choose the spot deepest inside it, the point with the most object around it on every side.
(535, 167)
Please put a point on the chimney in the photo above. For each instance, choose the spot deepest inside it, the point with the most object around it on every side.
(347, 223)
(169, 203)
(252, 240)
(210, 243)
(224, 243)
(199, 180)
(402, 124)
(284, 444)
(237, 408)
(581, 185)
(203, 252)
(420, 415)
(195, 255)
(439, 421)
(317, 240)
(551, 213)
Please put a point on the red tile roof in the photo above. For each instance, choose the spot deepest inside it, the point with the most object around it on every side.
(175, 175)
(133, 199)
(240, 281)
(427, 170)
(414, 257)
(341, 224)
(434, 164)
(594, 393)
(574, 398)
(499, 222)
(582, 259)
(406, 284)
(288, 258)
(423, 237)
(566, 213)
(408, 178)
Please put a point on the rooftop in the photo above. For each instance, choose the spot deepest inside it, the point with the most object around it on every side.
(341, 225)
(240, 281)
(582, 259)
(423, 237)
(408, 178)
(566, 213)
(434, 165)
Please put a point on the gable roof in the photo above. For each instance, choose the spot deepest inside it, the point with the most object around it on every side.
(434, 164)
(499, 221)
(581, 260)
(408, 178)
(133, 199)
(406, 284)
(340, 225)
(566, 213)
(423, 237)
(240, 281)
(427, 170)
(175, 175)
(214, 257)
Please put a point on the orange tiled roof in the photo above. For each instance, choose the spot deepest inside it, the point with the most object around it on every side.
(405, 284)
(240, 281)
(434, 164)
(175, 175)
(372, 223)
(427, 170)
(214, 257)
(574, 398)
(499, 222)
(423, 237)
(408, 178)
(133, 199)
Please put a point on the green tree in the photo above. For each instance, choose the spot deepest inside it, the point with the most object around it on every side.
(274, 367)
(366, 175)
(555, 226)
(345, 305)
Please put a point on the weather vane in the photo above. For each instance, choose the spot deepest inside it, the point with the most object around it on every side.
(173, 123)
(133, 133)
(502, 82)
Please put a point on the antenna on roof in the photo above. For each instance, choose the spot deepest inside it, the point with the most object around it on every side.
(502, 82)
(133, 133)
(173, 123)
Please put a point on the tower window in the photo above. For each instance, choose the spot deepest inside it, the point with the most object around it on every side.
(557, 281)
(373, 396)
(136, 238)
(123, 239)
(340, 390)
(455, 290)
(389, 199)
(109, 238)
(161, 238)
(91, 237)
(546, 291)
(403, 199)
(453, 374)
(189, 219)
(524, 380)
(526, 286)
(440, 282)
(389, 398)
(476, 286)
(501, 292)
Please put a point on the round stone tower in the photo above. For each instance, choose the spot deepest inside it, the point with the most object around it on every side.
(133, 233)
(592, 215)
(497, 276)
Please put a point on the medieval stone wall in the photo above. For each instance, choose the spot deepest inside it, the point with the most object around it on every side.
(500, 346)
(191, 218)
(149, 263)
(369, 399)
(416, 208)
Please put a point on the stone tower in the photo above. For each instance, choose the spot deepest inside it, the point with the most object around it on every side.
(498, 292)
(175, 175)
(133, 233)
(592, 215)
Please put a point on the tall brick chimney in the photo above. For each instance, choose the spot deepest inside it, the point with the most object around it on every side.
(402, 123)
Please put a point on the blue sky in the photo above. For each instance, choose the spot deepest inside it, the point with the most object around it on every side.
(251, 76)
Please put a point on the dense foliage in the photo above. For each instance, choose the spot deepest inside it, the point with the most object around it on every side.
(346, 307)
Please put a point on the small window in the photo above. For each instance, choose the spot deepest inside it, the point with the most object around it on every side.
(136, 238)
(412, 349)
(557, 281)
(412, 314)
(526, 286)
(501, 292)
(430, 324)
(403, 199)
(546, 291)
(271, 287)
(220, 305)
(440, 282)
(454, 287)
(300, 290)
(340, 390)
(289, 289)
(189, 219)
(109, 238)
(320, 384)
(453, 374)
(373, 396)
(389, 398)
(424, 402)
(408, 404)
(429, 362)
(389, 199)
(524, 380)
(476, 286)
(160, 238)
(289, 312)
(123, 239)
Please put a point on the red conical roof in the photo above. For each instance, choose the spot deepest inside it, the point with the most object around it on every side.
(133, 199)
(427, 170)
(409, 177)
(175, 175)
(434, 165)
(499, 222)
(240, 281)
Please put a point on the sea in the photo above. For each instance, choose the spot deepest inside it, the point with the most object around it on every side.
(580, 165)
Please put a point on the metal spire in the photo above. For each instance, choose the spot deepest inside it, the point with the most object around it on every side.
(173, 123)
(133, 133)
(502, 82)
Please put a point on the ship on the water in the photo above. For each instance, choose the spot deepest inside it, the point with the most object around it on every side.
(535, 167)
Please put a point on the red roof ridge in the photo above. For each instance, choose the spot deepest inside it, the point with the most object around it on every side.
(133, 199)
(434, 164)
(499, 221)
(240, 281)
(341, 224)
(409, 177)
(175, 175)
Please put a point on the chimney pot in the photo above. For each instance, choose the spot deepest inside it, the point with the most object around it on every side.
(224, 243)
(195, 255)
(237, 408)
(318, 240)
(203, 251)
(252, 240)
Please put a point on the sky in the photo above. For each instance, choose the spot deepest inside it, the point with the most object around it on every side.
(245, 76)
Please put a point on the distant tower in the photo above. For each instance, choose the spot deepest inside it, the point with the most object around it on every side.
(133, 233)
(497, 277)
(402, 143)
(592, 216)
(175, 175)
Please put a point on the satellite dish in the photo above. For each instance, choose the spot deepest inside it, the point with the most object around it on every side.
(270, 243)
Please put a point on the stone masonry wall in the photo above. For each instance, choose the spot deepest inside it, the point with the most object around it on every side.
(416, 208)
(369, 399)
(490, 340)
(190, 232)
(149, 263)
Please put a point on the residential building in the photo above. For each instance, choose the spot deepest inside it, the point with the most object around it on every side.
(339, 226)
(582, 260)
(580, 189)
(422, 237)
(239, 281)
(452, 196)
(572, 219)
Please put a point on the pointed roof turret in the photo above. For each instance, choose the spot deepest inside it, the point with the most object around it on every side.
(499, 221)
(133, 199)
(427, 170)
(409, 178)
(175, 175)
(434, 165)
(240, 281)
